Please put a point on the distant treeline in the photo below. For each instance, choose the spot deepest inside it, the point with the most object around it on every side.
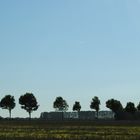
(29, 103)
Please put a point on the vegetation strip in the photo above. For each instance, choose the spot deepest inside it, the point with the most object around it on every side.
(67, 131)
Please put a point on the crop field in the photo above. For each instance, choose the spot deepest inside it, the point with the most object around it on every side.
(42, 130)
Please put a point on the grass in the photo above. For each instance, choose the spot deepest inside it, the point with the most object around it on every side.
(42, 130)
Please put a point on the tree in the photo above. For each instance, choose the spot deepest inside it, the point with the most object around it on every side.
(77, 106)
(114, 105)
(28, 102)
(60, 104)
(95, 104)
(130, 107)
(138, 107)
(8, 102)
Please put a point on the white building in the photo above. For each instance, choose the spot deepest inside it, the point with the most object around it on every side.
(105, 115)
(71, 115)
(81, 115)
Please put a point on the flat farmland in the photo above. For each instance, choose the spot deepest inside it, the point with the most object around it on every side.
(69, 130)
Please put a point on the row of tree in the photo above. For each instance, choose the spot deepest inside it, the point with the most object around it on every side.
(114, 105)
(29, 103)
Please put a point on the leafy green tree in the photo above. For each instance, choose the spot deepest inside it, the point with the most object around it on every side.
(95, 104)
(29, 103)
(130, 107)
(77, 106)
(114, 105)
(60, 104)
(8, 102)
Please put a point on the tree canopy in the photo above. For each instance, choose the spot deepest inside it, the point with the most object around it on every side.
(77, 106)
(95, 104)
(130, 107)
(138, 107)
(114, 105)
(60, 104)
(8, 102)
(29, 103)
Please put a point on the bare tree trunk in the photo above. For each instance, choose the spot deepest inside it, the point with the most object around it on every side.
(29, 115)
(97, 114)
(10, 113)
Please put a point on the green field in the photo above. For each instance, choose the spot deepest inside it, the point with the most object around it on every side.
(42, 130)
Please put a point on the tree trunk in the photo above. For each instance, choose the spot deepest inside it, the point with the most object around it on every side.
(62, 115)
(29, 115)
(97, 114)
(10, 113)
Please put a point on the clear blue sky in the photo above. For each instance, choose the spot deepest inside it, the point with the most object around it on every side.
(76, 49)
